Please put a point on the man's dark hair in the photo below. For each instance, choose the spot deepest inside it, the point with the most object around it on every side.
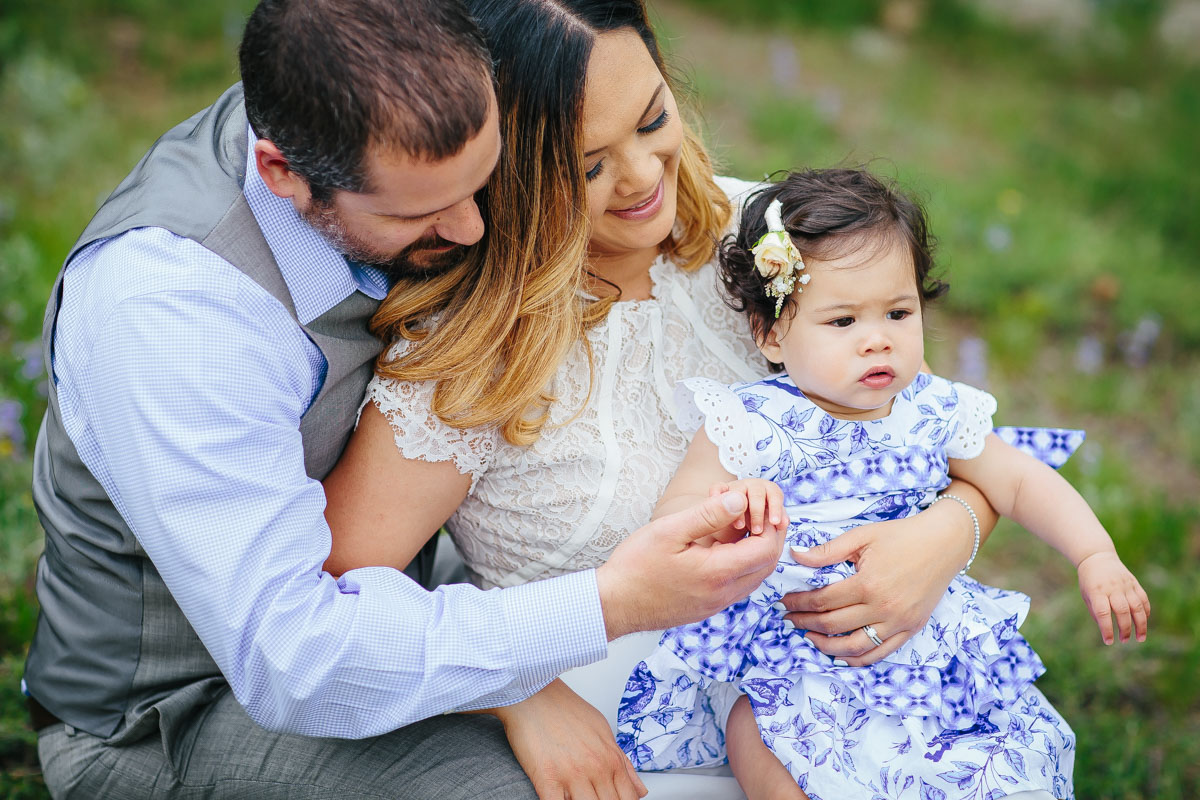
(828, 213)
(324, 79)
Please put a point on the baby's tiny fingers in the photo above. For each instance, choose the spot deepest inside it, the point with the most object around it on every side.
(1103, 617)
(1120, 609)
(1141, 616)
(757, 497)
(775, 503)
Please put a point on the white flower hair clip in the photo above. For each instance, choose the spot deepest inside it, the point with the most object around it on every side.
(777, 259)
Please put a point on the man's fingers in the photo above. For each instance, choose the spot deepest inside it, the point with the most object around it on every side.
(841, 548)
(714, 514)
(750, 556)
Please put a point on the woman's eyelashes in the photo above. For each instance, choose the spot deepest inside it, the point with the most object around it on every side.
(657, 124)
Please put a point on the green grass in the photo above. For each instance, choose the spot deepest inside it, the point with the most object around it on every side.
(1060, 180)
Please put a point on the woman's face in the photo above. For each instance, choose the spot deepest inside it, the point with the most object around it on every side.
(631, 140)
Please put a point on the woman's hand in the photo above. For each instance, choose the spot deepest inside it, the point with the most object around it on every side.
(567, 749)
(903, 568)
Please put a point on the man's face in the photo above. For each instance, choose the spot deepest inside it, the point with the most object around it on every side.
(416, 215)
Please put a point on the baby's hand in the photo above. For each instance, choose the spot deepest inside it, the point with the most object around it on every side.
(1113, 595)
(764, 503)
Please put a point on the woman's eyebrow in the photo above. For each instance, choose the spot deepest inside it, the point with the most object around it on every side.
(645, 111)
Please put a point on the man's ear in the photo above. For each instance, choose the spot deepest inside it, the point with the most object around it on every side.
(769, 344)
(277, 174)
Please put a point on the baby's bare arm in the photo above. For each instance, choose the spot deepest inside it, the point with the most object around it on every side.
(1039, 499)
(700, 469)
(701, 475)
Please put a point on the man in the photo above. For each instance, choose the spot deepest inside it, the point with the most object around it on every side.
(208, 342)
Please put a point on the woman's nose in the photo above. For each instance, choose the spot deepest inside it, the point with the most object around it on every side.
(640, 174)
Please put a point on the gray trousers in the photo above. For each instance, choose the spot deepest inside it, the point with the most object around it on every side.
(222, 753)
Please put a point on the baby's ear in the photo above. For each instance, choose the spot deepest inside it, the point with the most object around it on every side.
(768, 344)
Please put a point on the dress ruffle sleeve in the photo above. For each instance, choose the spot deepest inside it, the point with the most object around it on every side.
(1052, 446)
(419, 433)
(702, 401)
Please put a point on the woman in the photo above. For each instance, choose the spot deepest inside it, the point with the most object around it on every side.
(550, 368)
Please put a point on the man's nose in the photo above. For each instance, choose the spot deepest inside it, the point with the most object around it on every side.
(461, 223)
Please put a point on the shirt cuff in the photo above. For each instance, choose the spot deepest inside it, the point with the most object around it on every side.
(556, 624)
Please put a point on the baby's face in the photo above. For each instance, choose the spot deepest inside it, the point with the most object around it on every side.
(853, 339)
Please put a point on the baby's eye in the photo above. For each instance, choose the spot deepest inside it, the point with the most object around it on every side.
(898, 314)
(842, 322)
(594, 172)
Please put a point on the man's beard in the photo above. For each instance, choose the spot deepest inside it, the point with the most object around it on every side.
(423, 257)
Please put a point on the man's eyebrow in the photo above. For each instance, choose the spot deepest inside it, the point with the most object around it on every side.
(645, 111)
(414, 217)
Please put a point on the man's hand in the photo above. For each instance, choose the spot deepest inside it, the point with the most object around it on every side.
(567, 749)
(674, 570)
(764, 504)
(904, 567)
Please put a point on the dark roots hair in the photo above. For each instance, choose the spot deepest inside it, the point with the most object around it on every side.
(325, 79)
(828, 213)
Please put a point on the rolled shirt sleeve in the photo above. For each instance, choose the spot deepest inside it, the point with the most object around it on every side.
(184, 398)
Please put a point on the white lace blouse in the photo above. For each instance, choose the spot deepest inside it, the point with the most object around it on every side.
(563, 503)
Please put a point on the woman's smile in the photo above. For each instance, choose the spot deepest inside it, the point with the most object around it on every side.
(644, 209)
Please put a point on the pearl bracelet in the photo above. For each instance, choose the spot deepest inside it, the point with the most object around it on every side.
(974, 522)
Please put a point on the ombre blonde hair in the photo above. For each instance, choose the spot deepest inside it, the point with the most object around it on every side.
(510, 314)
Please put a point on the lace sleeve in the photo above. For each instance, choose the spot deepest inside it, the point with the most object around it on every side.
(419, 434)
(705, 402)
(974, 414)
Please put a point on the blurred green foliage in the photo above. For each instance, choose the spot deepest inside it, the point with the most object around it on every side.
(1057, 164)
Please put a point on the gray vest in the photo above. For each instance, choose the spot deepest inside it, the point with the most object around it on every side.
(113, 653)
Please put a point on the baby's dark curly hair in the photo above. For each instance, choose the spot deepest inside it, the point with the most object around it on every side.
(828, 213)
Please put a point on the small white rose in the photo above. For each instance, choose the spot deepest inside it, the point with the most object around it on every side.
(774, 254)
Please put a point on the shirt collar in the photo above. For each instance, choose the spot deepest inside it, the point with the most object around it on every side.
(317, 276)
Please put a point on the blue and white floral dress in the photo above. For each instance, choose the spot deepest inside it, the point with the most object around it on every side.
(951, 714)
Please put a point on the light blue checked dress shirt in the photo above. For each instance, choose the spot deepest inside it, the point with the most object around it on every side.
(182, 384)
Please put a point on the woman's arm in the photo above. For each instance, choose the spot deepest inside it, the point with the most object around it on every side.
(382, 507)
(903, 567)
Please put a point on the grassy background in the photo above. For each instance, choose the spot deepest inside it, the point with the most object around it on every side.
(1054, 142)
